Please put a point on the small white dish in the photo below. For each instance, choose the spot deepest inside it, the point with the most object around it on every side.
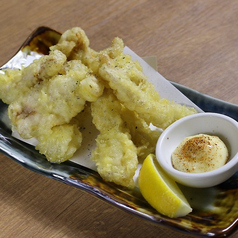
(202, 123)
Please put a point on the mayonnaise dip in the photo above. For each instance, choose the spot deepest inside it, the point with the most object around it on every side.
(200, 153)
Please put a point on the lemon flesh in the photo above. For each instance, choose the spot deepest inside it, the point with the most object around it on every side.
(161, 191)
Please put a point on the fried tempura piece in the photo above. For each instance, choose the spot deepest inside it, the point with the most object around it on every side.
(49, 106)
(115, 155)
(126, 78)
(71, 42)
(76, 41)
(140, 96)
(55, 101)
(143, 136)
(75, 44)
(115, 158)
(15, 82)
(47, 99)
(60, 142)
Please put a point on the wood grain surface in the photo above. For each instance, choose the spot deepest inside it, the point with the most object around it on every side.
(196, 44)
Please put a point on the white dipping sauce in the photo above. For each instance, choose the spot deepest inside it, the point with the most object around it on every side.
(200, 153)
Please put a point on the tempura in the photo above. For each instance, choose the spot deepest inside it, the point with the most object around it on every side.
(46, 100)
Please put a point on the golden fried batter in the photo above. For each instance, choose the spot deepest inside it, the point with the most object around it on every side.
(160, 113)
(15, 83)
(115, 155)
(127, 80)
(60, 142)
(142, 135)
(45, 100)
(55, 101)
(54, 97)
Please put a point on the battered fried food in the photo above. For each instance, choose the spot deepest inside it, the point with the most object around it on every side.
(115, 154)
(53, 98)
(60, 142)
(55, 101)
(144, 136)
(46, 100)
(15, 82)
(126, 78)
(160, 113)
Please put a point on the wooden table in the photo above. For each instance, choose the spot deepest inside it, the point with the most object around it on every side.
(196, 44)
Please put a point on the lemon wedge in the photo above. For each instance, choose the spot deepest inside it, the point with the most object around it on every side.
(161, 191)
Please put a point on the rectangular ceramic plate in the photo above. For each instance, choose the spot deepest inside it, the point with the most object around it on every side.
(215, 210)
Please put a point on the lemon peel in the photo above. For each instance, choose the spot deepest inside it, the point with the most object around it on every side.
(161, 191)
